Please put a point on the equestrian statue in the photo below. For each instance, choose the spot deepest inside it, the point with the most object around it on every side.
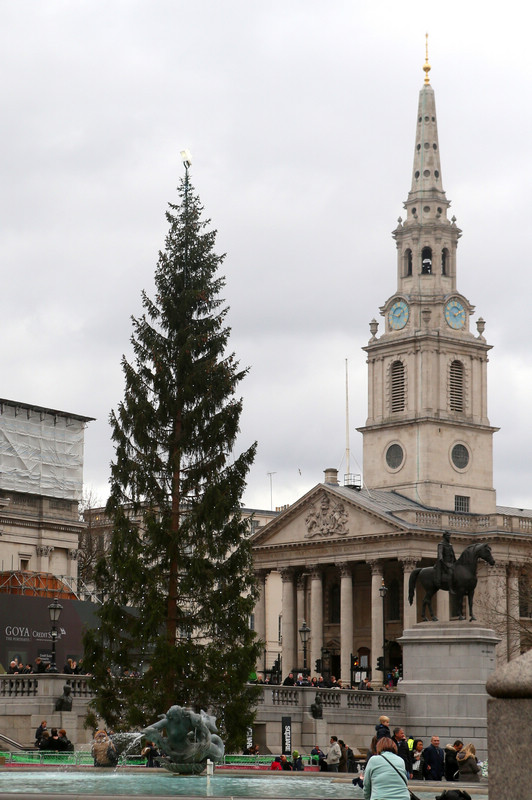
(458, 576)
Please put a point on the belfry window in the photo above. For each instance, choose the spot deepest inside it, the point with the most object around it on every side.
(456, 386)
(426, 261)
(397, 386)
(444, 261)
(408, 262)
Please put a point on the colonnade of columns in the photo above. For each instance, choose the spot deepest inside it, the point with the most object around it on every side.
(303, 600)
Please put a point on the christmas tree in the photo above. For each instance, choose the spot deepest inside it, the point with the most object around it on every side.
(177, 581)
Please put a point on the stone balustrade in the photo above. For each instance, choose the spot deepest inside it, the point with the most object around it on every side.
(45, 685)
(352, 715)
(349, 714)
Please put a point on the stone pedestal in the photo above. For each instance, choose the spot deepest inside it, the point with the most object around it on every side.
(445, 669)
(509, 730)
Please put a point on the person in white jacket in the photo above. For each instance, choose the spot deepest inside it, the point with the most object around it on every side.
(334, 755)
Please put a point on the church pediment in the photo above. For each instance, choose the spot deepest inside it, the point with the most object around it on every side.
(323, 516)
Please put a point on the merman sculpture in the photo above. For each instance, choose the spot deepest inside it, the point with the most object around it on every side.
(186, 740)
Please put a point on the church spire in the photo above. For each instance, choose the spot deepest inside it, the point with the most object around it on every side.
(426, 172)
(427, 434)
(427, 239)
(426, 66)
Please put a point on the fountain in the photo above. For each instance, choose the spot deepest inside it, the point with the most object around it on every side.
(191, 739)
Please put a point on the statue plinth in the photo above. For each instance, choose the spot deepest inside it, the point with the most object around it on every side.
(445, 669)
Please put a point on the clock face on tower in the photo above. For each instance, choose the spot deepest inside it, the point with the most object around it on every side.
(398, 315)
(455, 314)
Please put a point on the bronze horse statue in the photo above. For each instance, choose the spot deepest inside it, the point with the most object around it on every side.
(464, 580)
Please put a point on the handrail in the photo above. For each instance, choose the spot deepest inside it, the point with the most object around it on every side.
(12, 742)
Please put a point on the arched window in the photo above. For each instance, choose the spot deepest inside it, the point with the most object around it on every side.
(444, 261)
(456, 386)
(334, 604)
(397, 386)
(407, 262)
(426, 261)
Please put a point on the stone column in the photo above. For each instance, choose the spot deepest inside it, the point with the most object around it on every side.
(514, 626)
(260, 613)
(289, 621)
(300, 617)
(346, 621)
(43, 557)
(376, 619)
(72, 563)
(316, 615)
(409, 611)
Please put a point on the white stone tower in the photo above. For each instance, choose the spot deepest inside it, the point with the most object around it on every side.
(427, 434)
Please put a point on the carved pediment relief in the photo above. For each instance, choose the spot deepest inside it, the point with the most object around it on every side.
(326, 517)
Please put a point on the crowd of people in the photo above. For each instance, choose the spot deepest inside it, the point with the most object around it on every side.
(54, 739)
(392, 760)
(39, 667)
(321, 682)
(327, 682)
(455, 762)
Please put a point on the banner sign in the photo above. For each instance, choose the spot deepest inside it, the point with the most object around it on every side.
(286, 735)
(25, 629)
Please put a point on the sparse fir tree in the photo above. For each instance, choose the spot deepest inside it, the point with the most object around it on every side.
(179, 587)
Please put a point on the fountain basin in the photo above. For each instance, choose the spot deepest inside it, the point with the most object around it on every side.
(158, 784)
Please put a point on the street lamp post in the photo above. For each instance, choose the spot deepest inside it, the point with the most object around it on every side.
(304, 633)
(54, 609)
(382, 591)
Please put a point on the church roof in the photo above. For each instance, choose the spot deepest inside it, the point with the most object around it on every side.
(385, 501)
(510, 511)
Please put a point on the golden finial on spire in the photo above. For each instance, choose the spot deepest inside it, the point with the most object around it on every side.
(426, 65)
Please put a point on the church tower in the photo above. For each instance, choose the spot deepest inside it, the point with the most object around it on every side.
(427, 434)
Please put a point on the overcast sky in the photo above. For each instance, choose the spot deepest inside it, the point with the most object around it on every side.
(300, 116)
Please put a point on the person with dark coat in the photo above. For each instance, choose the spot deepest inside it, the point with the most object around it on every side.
(468, 767)
(44, 741)
(297, 762)
(451, 767)
(64, 742)
(403, 750)
(417, 760)
(289, 680)
(150, 753)
(53, 741)
(433, 760)
(39, 732)
(383, 728)
(285, 764)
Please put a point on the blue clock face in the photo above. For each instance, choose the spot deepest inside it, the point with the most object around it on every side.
(398, 315)
(455, 314)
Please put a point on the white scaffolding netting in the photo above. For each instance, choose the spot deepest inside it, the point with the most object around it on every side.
(41, 453)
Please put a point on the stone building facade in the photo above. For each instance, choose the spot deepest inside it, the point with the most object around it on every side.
(428, 458)
(41, 481)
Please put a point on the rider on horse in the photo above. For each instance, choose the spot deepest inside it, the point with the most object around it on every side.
(444, 566)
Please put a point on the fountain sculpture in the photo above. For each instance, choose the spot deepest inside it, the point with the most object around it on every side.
(186, 740)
